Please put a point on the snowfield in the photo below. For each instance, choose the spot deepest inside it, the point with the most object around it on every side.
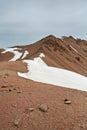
(16, 53)
(39, 71)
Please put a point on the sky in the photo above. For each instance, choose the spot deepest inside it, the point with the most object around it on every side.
(27, 21)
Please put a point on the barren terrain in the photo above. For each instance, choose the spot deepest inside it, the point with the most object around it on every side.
(18, 95)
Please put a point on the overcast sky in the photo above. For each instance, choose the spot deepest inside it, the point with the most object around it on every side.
(26, 21)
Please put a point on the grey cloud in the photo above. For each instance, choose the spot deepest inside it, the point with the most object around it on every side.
(25, 21)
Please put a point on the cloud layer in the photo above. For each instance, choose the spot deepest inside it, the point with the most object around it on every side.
(25, 21)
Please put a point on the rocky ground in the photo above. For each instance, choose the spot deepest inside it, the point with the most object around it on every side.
(28, 105)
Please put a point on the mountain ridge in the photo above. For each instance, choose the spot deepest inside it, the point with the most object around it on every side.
(24, 86)
(67, 52)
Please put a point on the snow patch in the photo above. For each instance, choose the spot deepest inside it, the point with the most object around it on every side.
(17, 54)
(41, 55)
(39, 71)
(25, 54)
(73, 49)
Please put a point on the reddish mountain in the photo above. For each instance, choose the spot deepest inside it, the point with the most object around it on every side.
(67, 53)
(18, 95)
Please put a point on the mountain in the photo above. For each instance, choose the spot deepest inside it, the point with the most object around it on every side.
(67, 53)
(49, 71)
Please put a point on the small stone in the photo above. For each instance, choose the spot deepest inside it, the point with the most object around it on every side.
(66, 101)
(4, 86)
(9, 90)
(16, 123)
(30, 109)
(6, 74)
(82, 126)
(14, 105)
(43, 107)
(14, 88)
(11, 85)
(19, 91)
(5, 81)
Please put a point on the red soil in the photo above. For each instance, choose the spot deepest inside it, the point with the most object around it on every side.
(17, 94)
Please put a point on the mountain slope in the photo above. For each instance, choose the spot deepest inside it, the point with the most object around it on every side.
(18, 94)
(67, 53)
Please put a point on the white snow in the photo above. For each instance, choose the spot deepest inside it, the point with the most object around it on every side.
(25, 54)
(39, 71)
(15, 51)
(73, 49)
(41, 55)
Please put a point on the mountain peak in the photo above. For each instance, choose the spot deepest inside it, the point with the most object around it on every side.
(50, 36)
(67, 52)
(50, 39)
